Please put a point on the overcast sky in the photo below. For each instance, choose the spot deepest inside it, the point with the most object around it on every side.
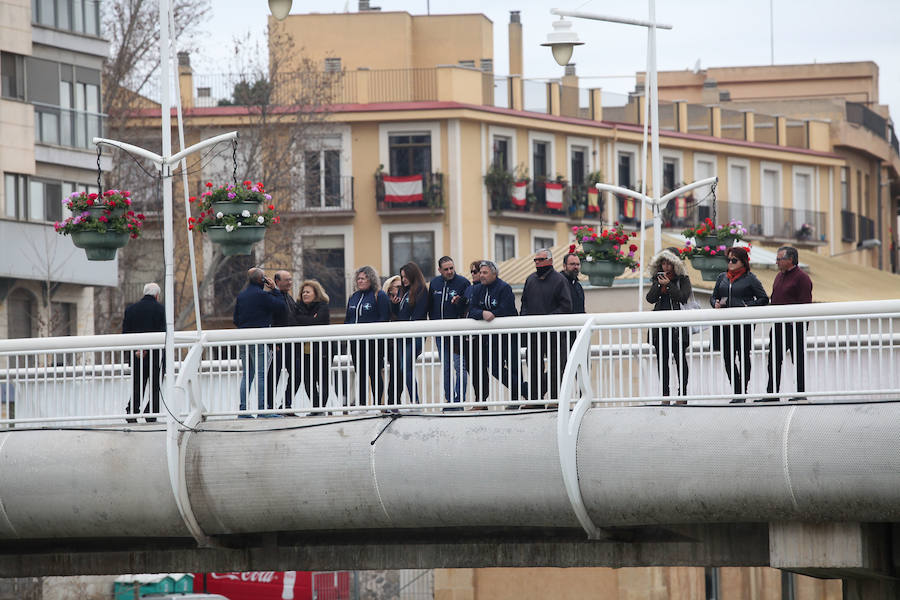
(720, 33)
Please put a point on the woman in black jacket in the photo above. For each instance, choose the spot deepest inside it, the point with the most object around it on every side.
(734, 288)
(312, 309)
(670, 288)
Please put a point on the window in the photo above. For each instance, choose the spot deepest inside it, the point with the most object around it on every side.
(332, 65)
(12, 76)
(412, 246)
(410, 154)
(487, 65)
(501, 153)
(80, 16)
(35, 199)
(504, 247)
(543, 242)
(802, 194)
(579, 165)
(625, 164)
(467, 63)
(771, 200)
(322, 171)
(21, 306)
(738, 206)
(14, 196)
(323, 260)
(670, 174)
(845, 188)
(539, 159)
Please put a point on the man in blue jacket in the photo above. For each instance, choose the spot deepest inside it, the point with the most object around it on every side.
(447, 301)
(490, 299)
(255, 307)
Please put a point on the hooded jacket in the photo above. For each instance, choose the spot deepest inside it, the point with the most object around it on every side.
(677, 292)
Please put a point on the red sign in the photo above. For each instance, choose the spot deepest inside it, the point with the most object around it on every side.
(256, 585)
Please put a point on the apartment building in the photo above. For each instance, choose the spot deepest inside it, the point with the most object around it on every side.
(51, 53)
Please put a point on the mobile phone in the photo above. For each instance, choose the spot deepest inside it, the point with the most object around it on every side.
(659, 273)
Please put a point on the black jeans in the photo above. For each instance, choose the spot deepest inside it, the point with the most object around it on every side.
(735, 340)
(787, 337)
(671, 343)
(316, 360)
(368, 359)
(502, 352)
(479, 373)
(147, 366)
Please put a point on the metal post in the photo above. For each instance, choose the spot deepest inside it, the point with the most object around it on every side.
(168, 215)
(654, 133)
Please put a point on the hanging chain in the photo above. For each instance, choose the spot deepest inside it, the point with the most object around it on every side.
(99, 171)
(234, 161)
(712, 191)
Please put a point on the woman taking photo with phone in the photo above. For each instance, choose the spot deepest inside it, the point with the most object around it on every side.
(670, 288)
(735, 288)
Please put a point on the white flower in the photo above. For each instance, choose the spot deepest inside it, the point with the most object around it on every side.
(219, 215)
(239, 223)
(229, 228)
(260, 219)
(589, 258)
(245, 213)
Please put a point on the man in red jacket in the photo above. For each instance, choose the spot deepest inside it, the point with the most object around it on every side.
(792, 286)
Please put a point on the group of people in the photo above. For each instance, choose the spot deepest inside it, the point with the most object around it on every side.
(474, 357)
(464, 358)
(736, 287)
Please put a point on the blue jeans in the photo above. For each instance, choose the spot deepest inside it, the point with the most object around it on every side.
(254, 365)
(460, 376)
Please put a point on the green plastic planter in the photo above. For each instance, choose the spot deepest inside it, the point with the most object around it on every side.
(234, 208)
(99, 246)
(709, 266)
(602, 272)
(238, 241)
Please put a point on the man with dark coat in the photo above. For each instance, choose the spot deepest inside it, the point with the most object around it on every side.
(792, 286)
(571, 270)
(284, 355)
(255, 307)
(546, 292)
(446, 294)
(490, 299)
(145, 315)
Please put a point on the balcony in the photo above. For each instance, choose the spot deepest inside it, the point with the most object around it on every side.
(535, 204)
(414, 194)
(848, 228)
(761, 222)
(866, 229)
(862, 115)
(326, 196)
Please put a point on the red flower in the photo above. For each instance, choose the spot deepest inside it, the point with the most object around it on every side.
(633, 248)
(126, 193)
(616, 223)
(92, 196)
(90, 202)
(192, 199)
(248, 182)
(140, 216)
(190, 227)
(571, 248)
(130, 213)
(192, 220)
(209, 184)
(271, 207)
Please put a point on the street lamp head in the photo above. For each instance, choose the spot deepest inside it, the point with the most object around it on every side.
(280, 8)
(562, 41)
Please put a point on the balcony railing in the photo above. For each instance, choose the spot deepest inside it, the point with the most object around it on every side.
(66, 127)
(848, 226)
(426, 193)
(760, 221)
(326, 194)
(863, 115)
(866, 228)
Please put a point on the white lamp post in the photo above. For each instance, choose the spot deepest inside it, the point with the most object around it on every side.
(562, 41)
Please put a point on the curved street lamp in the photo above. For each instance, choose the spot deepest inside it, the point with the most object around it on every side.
(280, 8)
(562, 41)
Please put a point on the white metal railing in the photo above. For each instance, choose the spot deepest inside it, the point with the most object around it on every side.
(851, 351)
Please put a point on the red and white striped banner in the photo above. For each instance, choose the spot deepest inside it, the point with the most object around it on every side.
(519, 193)
(681, 208)
(402, 189)
(593, 200)
(554, 196)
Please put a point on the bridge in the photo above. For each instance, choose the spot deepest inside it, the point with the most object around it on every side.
(605, 474)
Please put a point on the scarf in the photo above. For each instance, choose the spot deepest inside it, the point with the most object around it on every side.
(542, 271)
(734, 275)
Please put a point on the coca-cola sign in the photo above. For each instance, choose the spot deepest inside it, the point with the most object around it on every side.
(257, 585)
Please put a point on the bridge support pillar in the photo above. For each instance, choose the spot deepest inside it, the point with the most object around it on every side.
(858, 553)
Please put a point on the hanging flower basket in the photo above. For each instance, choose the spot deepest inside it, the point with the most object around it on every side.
(235, 217)
(604, 254)
(708, 244)
(602, 272)
(100, 223)
(236, 240)
(709, 266)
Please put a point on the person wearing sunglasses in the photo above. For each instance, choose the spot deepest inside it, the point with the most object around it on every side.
(734, 288)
